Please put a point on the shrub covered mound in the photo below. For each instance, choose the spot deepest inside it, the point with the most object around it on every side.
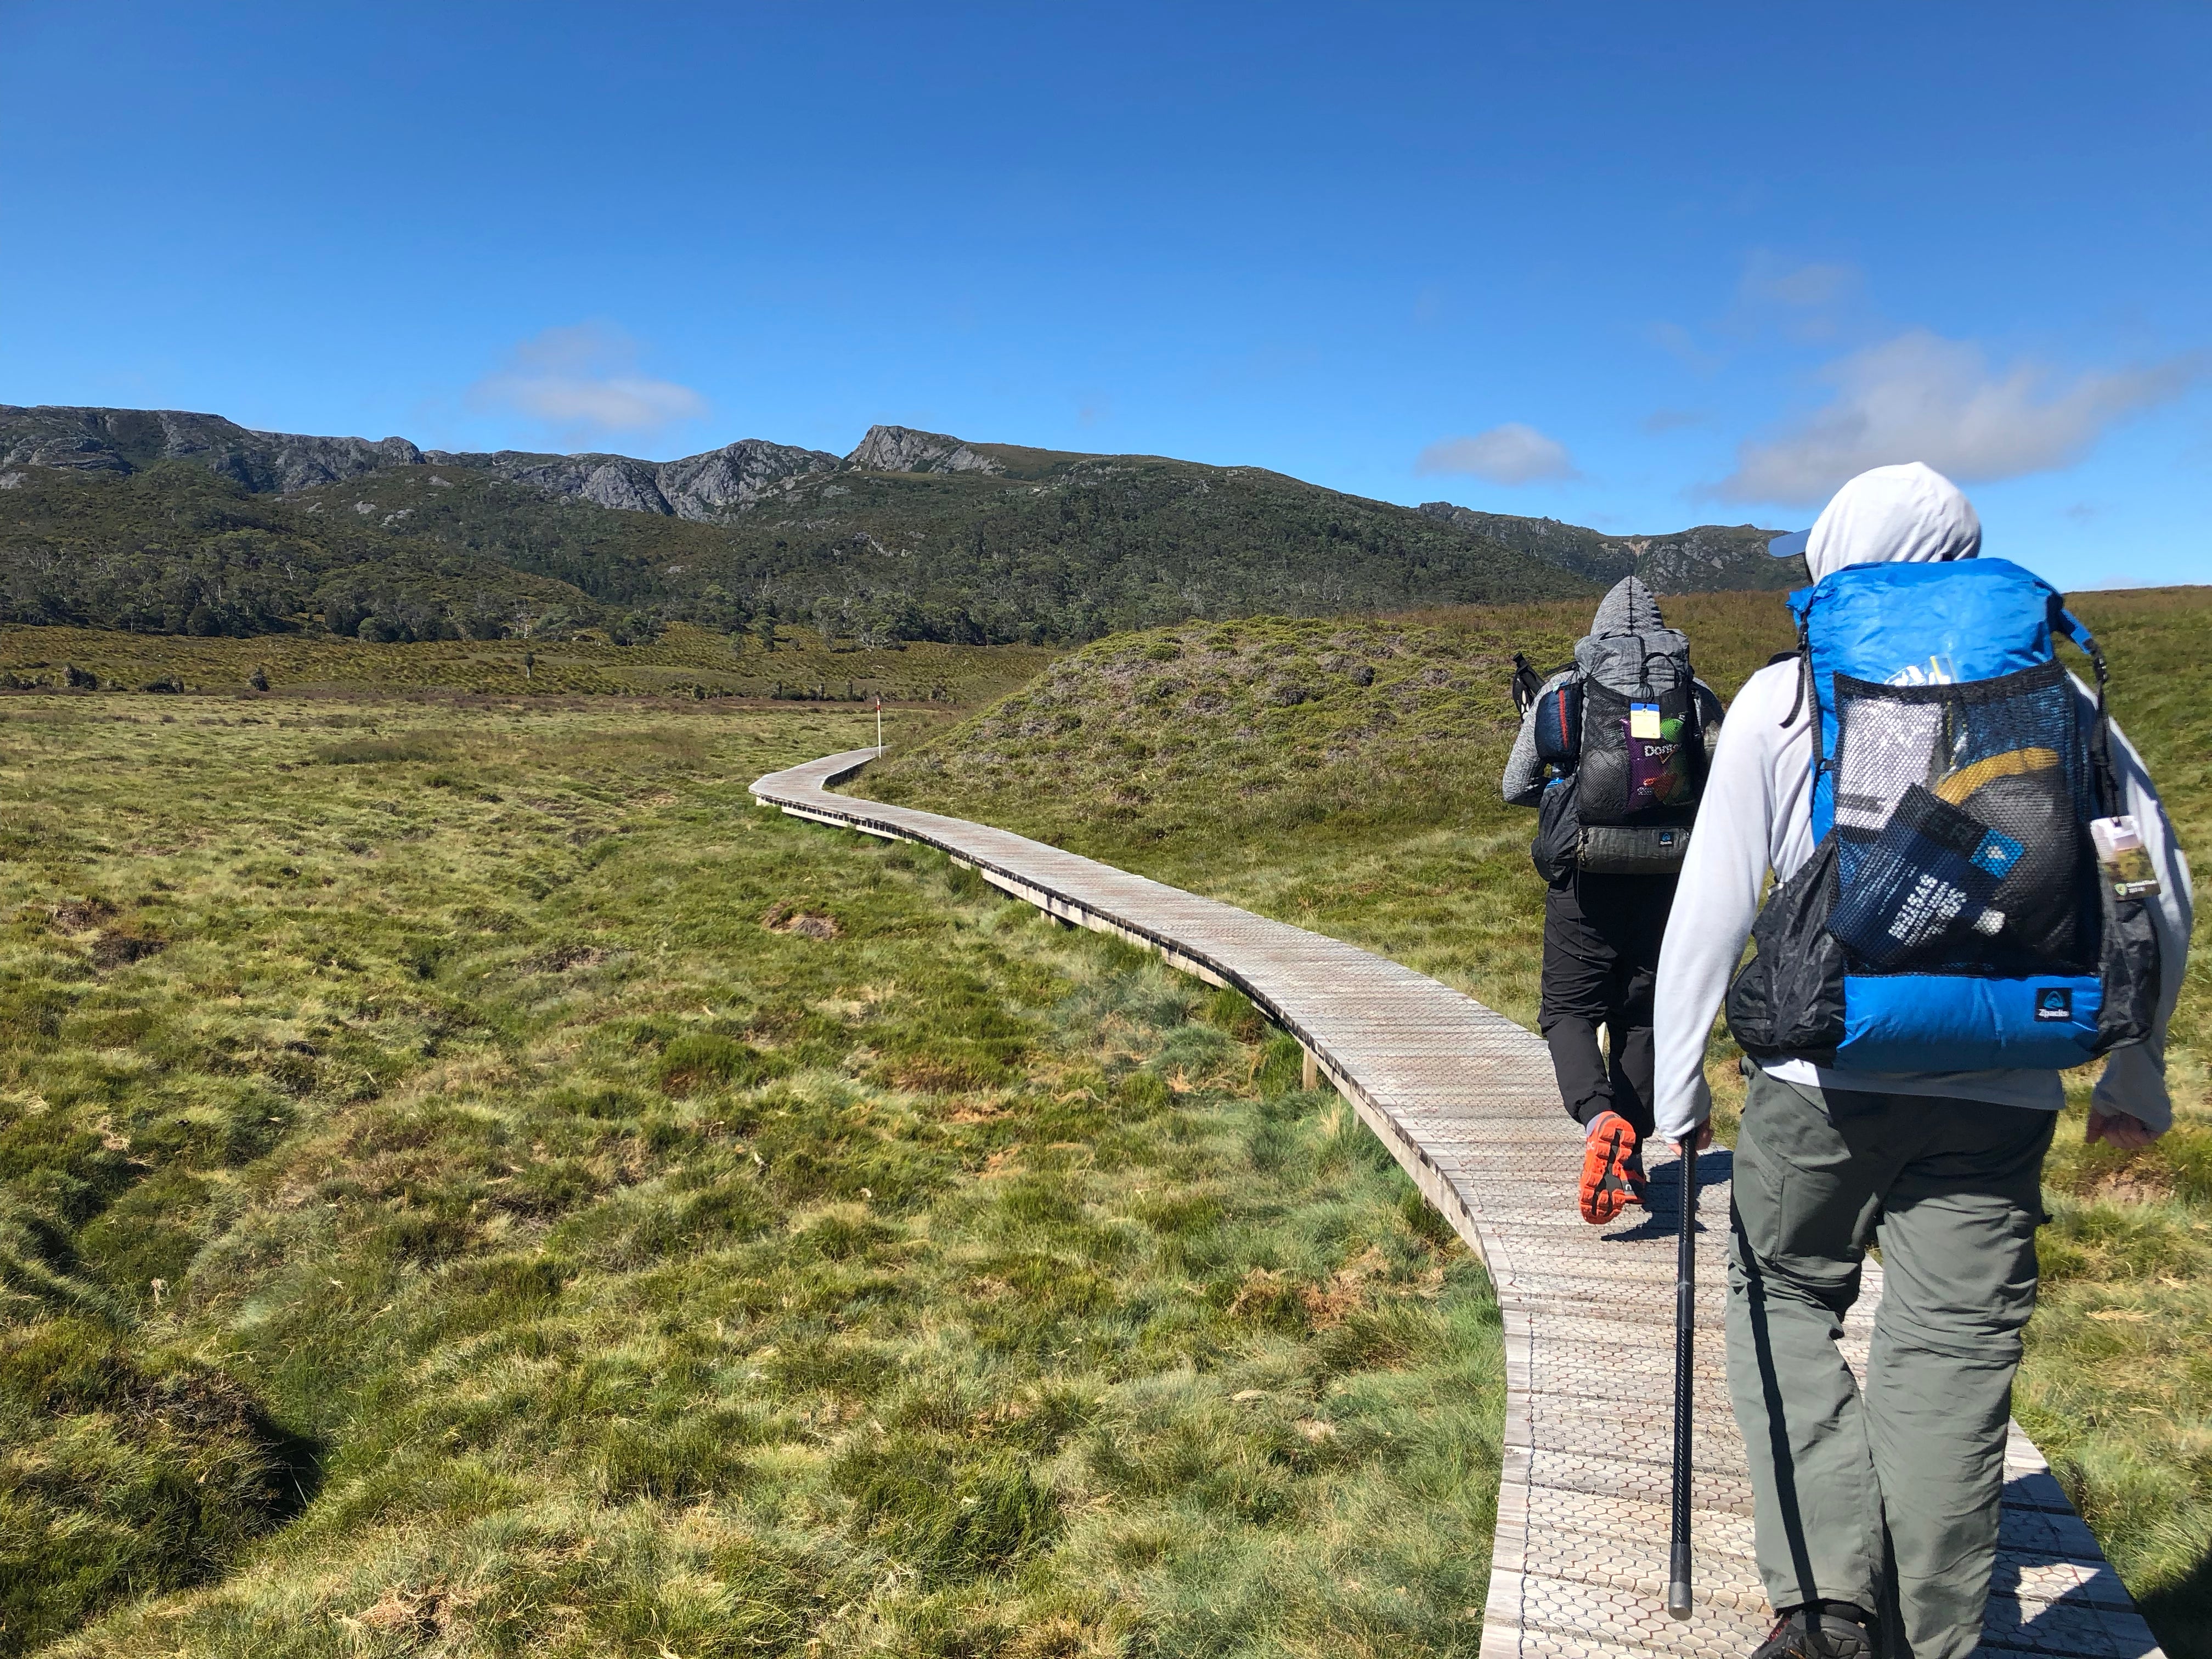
(510, 1196)
(1237, 719)
(1340, 775)
(1251, 728)
(1370, 810)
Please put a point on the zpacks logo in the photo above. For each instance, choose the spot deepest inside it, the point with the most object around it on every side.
(2053, 1003)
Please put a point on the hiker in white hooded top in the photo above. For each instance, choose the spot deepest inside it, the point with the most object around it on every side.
(1876, 1509)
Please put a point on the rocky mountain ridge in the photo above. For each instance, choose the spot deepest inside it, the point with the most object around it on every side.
(166, 521)
(705, 487)
(1704, 558)
(717, 485)
(171, 521)
(124, 441)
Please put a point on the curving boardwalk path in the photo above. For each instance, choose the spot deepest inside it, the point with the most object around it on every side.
(1465, 1100)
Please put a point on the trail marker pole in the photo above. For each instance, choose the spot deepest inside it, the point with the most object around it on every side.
(1686, 1336)
(879, 725)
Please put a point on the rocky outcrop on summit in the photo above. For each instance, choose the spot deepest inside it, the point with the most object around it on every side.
(1713, 557)
(901, 449)
(705, 487)
(1569, 546)
(127, 440)
(735, 476)
(1707, 558)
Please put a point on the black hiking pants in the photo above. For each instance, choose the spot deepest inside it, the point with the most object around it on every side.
(1602, 936)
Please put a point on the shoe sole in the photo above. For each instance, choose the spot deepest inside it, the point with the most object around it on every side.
(1607, 1188)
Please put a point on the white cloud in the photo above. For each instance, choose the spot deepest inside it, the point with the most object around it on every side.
(1768, 280)
(1922, 398)
(1682, 345)
(1509, 454)
(584, 381)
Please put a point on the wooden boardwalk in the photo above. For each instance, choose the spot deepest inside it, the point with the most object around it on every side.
(1465, 1099)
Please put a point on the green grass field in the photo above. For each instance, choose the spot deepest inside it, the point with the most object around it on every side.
(1343, 776)
(684, 662)
(470, 1183)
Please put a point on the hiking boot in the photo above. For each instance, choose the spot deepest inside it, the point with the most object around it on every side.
(1608, 1158)
(1827, 1630)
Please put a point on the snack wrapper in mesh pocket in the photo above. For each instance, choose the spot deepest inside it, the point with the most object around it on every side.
(1921, 896)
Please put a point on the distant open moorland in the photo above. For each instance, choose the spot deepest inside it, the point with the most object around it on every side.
(682, 661)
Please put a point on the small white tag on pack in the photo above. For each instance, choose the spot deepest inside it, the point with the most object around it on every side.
(2123, 857)
(1643, 719)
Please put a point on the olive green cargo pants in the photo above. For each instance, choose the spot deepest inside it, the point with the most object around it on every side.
(1894, 1488)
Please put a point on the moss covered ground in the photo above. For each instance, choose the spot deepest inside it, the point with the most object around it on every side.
(1344, 775)
(471, 1184)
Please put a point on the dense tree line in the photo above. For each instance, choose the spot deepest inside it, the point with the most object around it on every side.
(1086, 547)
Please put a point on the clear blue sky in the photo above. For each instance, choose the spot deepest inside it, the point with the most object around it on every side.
(1638, 266)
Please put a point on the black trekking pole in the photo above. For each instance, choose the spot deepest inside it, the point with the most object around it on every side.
(1685, 1337)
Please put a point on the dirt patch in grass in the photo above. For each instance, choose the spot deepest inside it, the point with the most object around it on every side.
(119, 947)
(79, 916)
(785, 917)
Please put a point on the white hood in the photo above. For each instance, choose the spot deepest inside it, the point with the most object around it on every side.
(1907, 514)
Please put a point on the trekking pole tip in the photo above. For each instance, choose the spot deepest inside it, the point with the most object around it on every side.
(1678, 1599)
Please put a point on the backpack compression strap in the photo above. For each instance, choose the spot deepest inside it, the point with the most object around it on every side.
(2064, 621)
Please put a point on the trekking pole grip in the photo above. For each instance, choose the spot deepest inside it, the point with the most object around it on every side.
(1686, 1336)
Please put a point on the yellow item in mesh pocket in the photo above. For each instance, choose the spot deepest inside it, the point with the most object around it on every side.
(2011, 763)
(1643, 719)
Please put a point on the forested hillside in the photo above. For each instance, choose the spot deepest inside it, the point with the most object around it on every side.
(1708, 558)
(169, 522)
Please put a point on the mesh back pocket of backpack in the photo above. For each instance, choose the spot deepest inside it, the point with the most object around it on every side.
(1959, 815)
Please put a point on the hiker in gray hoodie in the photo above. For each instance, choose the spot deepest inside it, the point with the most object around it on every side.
(1602, 935)
(1877, 1506)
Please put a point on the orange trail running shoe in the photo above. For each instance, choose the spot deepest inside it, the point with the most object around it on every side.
(1607, 1180)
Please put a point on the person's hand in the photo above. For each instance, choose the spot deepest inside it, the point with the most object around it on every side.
(1705, 1136)
(2118, 1129)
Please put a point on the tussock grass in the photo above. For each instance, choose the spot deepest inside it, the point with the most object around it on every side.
(484, 1228)
(378, 751)
(686, 661)
(1367, 807)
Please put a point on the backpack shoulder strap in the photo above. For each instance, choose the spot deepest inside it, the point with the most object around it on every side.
(1806, 692)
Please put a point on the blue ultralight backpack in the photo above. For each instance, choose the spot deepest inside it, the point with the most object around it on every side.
(1952, 917)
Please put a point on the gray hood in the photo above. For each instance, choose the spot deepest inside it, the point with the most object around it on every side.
(1629, 608)
(1907, 514)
